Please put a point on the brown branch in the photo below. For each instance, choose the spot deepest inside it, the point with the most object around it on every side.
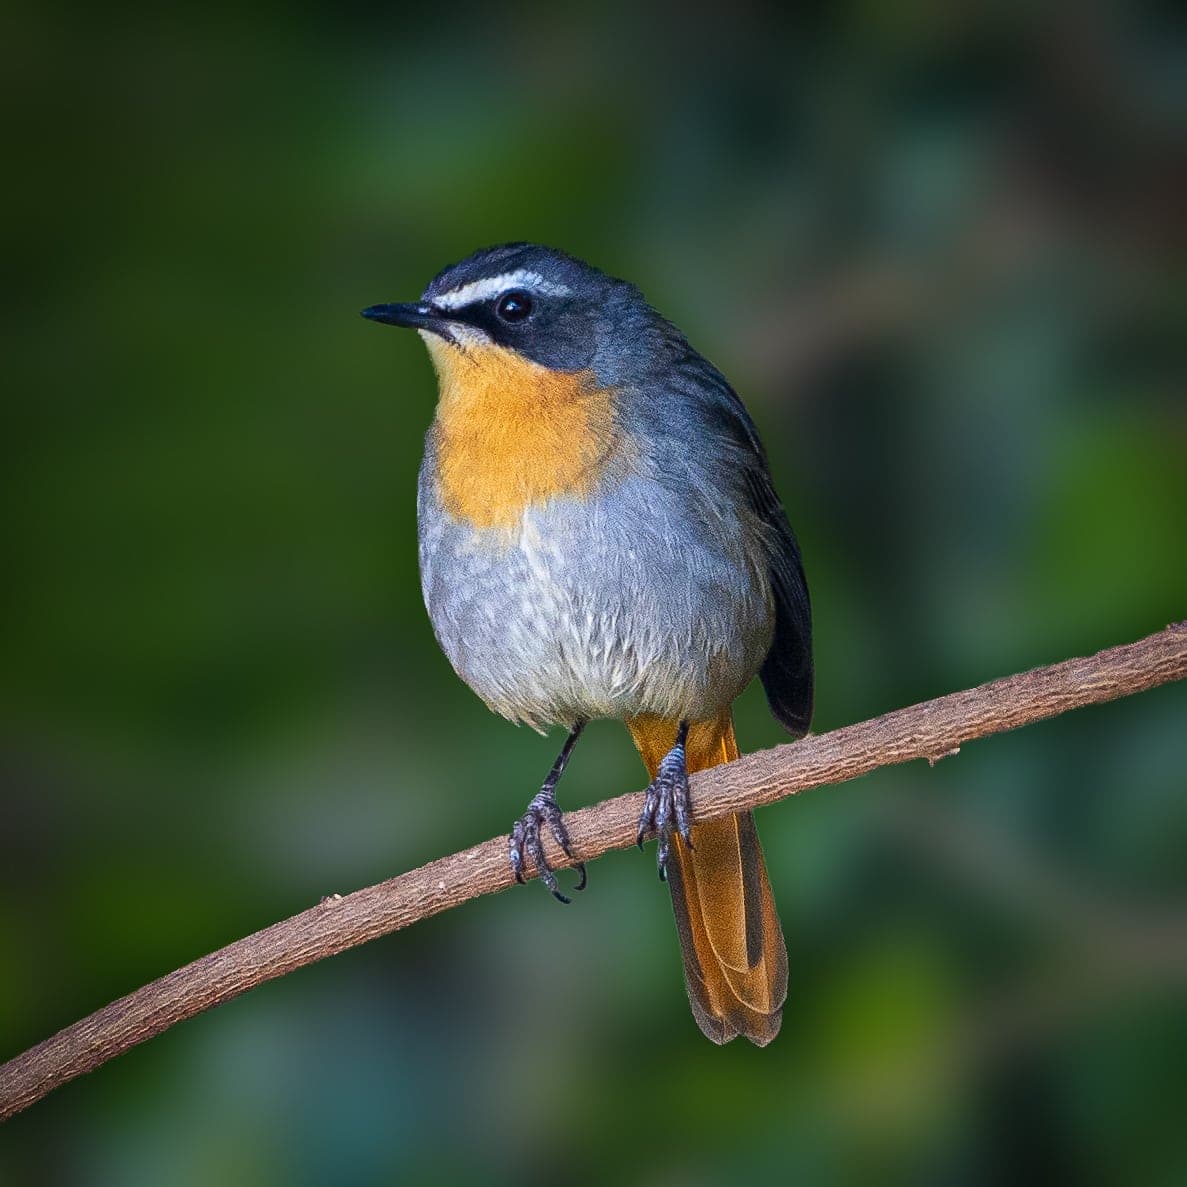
(930, 730)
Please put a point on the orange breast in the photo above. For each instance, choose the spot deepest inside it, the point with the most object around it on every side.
(510, 433)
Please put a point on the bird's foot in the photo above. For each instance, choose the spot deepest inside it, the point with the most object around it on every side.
(526, 843)
(668, 803)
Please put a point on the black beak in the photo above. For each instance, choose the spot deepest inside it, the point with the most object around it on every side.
(415, 316)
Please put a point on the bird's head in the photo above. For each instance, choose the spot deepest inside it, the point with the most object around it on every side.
(535, 304)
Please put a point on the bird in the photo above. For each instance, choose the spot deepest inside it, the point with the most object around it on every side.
(600, 537)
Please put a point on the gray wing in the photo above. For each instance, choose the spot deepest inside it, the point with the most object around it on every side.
(787, 672)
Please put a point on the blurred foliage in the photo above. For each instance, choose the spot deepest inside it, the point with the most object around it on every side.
(938, 248)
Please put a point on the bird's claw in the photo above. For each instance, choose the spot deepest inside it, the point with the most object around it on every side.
(525, 843)
(667, 802)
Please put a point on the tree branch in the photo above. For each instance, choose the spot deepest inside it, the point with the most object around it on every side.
(931, 730)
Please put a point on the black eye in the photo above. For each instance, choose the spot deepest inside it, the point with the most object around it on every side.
(514, 306)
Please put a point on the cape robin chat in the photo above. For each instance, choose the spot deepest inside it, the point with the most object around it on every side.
(600, 537)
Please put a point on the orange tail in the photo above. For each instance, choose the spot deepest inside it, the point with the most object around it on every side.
(735, 960)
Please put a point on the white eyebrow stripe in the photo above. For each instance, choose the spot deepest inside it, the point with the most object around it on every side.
(492, 286)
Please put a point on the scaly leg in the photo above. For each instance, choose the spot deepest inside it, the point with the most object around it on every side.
(543, 809)
(668, 799)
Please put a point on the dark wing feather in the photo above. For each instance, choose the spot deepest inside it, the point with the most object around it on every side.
(786, 674)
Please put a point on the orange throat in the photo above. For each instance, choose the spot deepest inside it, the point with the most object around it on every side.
(511, 434)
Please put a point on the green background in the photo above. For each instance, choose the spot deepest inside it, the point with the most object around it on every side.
(937, 248)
